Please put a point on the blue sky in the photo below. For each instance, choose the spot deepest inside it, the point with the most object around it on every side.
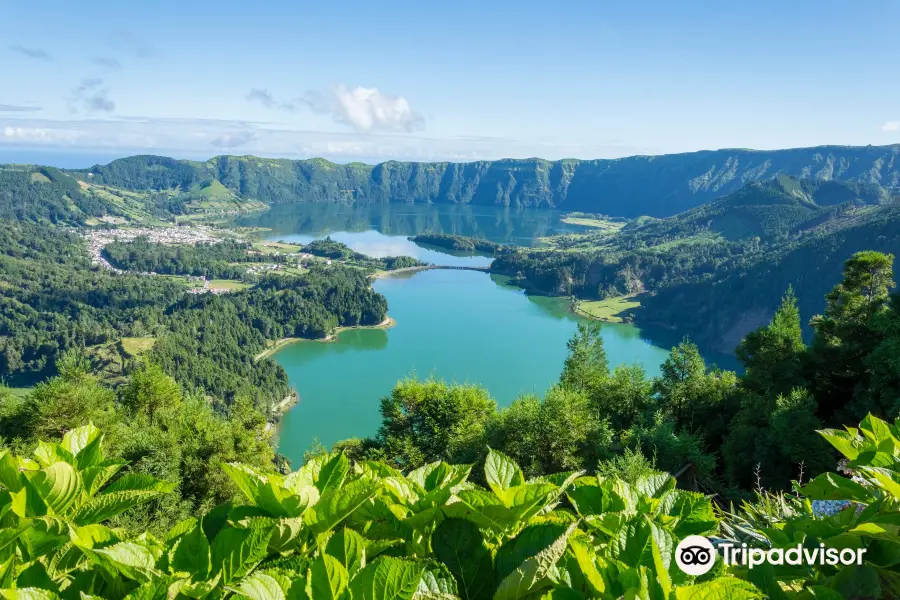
(460, 80)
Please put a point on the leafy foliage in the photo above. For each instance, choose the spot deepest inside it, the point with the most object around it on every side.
(870, 495)
(335, 530)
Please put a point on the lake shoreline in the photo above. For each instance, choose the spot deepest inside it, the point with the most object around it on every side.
(330, 338)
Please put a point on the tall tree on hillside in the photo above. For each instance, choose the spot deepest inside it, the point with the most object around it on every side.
(773, 355)
(586, 368)
(846, 334)
(149, 391)
(681, 380)
(884, 361)
(697, 400)
(425, 421)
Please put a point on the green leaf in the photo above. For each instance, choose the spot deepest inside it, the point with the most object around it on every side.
(855, 581)
(846, 444)
(92, 536)
(829, 486)
(885, 479)
(260, 586)
(655, 485)
(332, 473)
(328, 578)
(349, 548)
(10, 477)
(95, 477)
(58, 485)
(236, 552)
(337, 505)
(723, 588)
(661, 570)
(46, 454)
(437, 583)
(501, 472)
(482, 508)
(106, 506)
(460, 546)
(694, 512)
(285, 535)
(28, 594)
(387, 579)
(875, 429)
(531, 575)
(580, 544)
(636, 540)
(132, 560)
(589, 500)
(258, 489)
(35, 576)
(77, 439)
(8, 571)
(194, 589)
(190, 553)
(527, 543)
(152, 590)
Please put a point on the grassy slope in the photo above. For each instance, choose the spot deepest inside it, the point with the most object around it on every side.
(610, 309)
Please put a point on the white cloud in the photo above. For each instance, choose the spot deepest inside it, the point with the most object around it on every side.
(891, 126)
(366, 109)
(18, 108)
(40, 135)
(201, 138)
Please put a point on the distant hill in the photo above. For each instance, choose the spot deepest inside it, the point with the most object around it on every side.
(717, 271)
(776, 208)
(657, 186)
(719, 310)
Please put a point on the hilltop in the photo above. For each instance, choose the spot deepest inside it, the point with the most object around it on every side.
(658, 186)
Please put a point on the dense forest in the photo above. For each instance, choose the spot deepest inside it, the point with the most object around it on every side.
(457, 243)
(332, 249)
(48, 195)
(53, 299)
(456, 499)
(657, 186)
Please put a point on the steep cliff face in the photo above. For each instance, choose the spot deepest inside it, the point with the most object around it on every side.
(658, 186)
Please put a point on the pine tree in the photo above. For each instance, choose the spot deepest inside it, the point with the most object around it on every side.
(773, 355)
(846, 334)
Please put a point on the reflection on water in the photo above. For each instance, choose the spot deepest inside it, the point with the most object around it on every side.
(381, 230)
(507, 225)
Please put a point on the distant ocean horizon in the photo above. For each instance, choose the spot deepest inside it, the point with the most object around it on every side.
(82, 159)
(70, 158)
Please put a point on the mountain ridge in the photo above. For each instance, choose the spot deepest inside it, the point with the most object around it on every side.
(654, 185)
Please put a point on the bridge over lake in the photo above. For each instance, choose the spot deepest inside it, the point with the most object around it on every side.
(433, 267)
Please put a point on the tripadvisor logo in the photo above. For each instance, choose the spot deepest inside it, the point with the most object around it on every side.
(695, 555)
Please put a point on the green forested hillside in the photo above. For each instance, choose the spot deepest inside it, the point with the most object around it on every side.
(640, 185)
(716, 271)
(52, 299)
